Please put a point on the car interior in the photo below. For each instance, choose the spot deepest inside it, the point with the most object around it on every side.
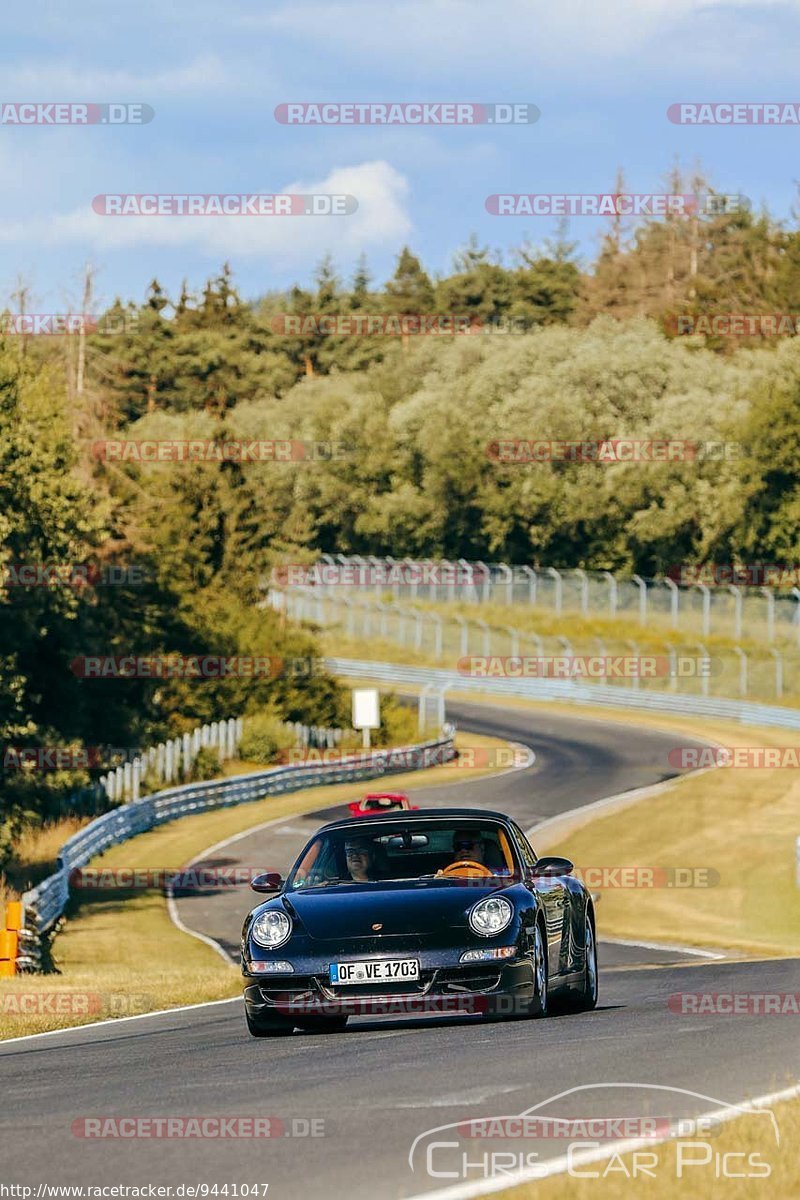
(402, 853)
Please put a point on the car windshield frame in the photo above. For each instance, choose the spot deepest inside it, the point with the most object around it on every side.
(328, 844)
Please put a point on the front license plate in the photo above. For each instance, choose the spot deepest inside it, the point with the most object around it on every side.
(382, 971)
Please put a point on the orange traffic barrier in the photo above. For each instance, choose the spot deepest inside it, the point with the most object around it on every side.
(14, 915)
(8, 951)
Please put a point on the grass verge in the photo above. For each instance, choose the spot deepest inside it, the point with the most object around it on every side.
(742, 1160)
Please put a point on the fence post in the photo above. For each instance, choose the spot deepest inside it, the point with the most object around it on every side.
(796, 614)
(769, 596)
(532, 581)
(635, 648)
(559, 592)
(642, 586)
(538, 643)
(514, 636)
(487, 647)
(463, 636)
(437, 634)
(601, 651)
(674, 600)
(187, 754)
(508, 580)
(487, 582)
(704, 678)
(736, 592)
(613, 593)
(706, 594)
(742, 668)
(776, 654)
(471, 587)
(584, 578)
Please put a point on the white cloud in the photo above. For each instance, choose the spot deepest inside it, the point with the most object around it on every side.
(380, 220)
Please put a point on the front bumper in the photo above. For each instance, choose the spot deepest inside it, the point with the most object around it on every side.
(487, 988)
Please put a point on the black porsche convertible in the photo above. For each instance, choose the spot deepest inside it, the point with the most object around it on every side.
(433, 911)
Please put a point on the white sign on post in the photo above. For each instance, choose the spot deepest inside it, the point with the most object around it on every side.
(366, 711)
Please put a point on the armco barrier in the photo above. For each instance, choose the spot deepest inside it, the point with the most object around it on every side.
(44, 904)
(569, 692)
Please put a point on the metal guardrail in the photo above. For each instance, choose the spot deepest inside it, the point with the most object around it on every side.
(569, 692)
(44, 904)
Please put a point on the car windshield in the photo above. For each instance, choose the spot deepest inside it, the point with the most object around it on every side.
(413, 850)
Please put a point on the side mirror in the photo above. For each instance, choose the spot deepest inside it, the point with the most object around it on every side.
(270, 881)
(552, 865)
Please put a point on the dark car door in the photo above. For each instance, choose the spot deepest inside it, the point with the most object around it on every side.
(556, 899)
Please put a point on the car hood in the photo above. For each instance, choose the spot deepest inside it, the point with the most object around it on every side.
(352, 911)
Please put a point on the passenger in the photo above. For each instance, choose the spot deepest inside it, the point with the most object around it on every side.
(359, 856)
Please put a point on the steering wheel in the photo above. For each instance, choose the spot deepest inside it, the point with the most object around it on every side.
(465, 866)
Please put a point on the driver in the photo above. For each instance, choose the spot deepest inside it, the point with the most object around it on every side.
(359, 857)
(468, 844)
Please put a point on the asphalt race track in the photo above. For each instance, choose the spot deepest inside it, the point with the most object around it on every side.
(385, 1082)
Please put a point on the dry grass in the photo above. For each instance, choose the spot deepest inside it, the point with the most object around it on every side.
(712, 1176)
(35, 853)
(741, 824)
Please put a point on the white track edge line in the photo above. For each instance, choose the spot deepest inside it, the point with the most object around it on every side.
(159, 1012)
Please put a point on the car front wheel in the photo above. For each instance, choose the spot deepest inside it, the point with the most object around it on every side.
(538, 1005)
(269, 1028)
(584, 997)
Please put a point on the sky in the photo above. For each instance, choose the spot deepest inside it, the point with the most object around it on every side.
(601, 72)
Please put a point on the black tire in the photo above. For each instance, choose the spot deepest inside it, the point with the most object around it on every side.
(323, 1024)
(268, 1028)
(584, 997)
(539, 1007)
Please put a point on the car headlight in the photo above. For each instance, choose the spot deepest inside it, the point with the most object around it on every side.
(271, 929)
(491, 916)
